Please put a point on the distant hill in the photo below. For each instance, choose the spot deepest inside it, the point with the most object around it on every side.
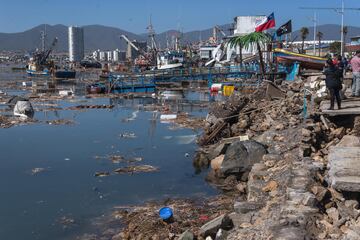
(96, 37)
(108, 38)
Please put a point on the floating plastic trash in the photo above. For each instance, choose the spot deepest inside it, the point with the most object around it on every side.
(165, 213)
(168, 116)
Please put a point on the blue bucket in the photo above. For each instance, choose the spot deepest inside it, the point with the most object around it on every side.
(165, 213)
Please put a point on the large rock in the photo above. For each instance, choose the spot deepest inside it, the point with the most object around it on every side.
(216, 162)
(211, 228)
(241, 156)
(344, 168)
(187, 235)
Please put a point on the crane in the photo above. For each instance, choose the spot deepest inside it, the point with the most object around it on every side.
(48, 52)
(220, 30)
(151, 33)
(129, 42)
(143, 54)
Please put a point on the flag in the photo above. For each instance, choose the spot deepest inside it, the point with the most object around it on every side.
(286, 28)
(267, 23)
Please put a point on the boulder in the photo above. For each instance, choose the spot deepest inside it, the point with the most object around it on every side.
(212, 227)
(241, 156)
(216, 162)
(218, 150)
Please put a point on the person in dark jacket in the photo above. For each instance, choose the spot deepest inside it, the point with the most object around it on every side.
(333, 83)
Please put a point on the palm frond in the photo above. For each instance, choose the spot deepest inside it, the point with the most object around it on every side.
(247, 41)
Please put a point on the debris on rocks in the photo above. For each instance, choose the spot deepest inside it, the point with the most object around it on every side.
(188, 218)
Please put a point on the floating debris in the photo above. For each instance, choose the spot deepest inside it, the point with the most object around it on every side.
(127, 135)
(101, 174)
(36, 171)
(67, 222)
(115, 158)
(133, 116)
(60, 122)
(136, 169)
(91, 107)
(186, 139)
(136, 159)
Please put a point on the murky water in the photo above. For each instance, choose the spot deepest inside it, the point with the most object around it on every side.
(32, 205)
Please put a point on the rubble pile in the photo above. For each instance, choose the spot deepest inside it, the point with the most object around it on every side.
(188, 218)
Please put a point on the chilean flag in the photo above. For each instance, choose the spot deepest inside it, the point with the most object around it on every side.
(267, 23)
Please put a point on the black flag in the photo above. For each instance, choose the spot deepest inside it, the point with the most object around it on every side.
(286, 28)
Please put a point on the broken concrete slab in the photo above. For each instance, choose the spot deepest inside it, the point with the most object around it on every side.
(344, 168)
(187, 235)
(211, 228)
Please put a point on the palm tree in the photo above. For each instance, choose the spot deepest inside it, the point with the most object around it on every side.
(248, 41)
(304, 33)
(319, 36)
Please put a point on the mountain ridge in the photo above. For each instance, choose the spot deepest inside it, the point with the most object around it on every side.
(108, 38)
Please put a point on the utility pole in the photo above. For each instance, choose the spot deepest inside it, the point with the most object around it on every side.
(315, 21)
(340, 11)
(342, 27)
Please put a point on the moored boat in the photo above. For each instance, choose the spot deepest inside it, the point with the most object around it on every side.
(306, 61)
(96, 88)
(68, 74)
(170, 60)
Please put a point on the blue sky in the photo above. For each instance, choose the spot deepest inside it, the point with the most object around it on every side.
(187, 15)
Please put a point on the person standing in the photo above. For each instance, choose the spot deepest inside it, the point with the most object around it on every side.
(355, 66)
(333, 83)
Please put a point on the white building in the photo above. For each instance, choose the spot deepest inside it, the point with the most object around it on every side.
(206, 52)
(103, 56)
(96, 55)
(76, 44)
(244, 25)
(109, 55)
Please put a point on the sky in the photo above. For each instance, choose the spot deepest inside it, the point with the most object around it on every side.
(184, 15)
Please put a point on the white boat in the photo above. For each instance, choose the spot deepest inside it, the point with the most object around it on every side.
(170, 59)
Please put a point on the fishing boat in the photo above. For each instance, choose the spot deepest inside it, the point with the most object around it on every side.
(306, 61)
(170, 60)
(33, 70)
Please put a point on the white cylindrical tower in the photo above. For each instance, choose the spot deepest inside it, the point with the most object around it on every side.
(76, 44)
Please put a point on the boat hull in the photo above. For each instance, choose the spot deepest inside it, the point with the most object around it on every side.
(306, 61)
(170, 66)
(65, 74)
(95, 89)
(37, 73)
